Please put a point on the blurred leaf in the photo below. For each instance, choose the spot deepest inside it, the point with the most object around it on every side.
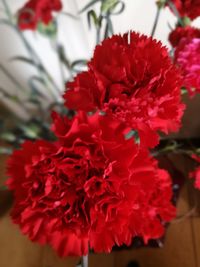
(8, 137)
(91, 15)
(82, 62)
(175, 11)
(9, 96)
(63, 57)
(120, 6)
(184, 91)
(11, 77)
(49, 30)
(90, 4)
(7, 22)
(26, 60)
(79, 65)
(108, 5)
(34, 90)
(109, 28)
(30, 131)
(7, 9)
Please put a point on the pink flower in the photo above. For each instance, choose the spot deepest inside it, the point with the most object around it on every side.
(187, 57)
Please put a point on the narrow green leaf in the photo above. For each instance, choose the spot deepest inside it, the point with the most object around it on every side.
(108, 5)
(25, 60)
(11, 77)
(14, 98)
(7, 136)
(33, 85)
(118, 8)
(91, 15)
(30, 131)
(109, 28)
(82, 62)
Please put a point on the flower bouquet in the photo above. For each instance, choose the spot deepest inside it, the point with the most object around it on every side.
(84, 168)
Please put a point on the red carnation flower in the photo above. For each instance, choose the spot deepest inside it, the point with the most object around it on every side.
(183, 33)
(187, 8)
(91, 188)
(36, 11)
(131, 78)
(187, 57)
(196, 174)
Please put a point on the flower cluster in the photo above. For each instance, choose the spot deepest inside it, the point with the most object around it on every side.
(187, 57)
(97, 185)
(186, 42)
(187, 8)
(131, 78)
(91, 187)
(183, 33)
(35, 11)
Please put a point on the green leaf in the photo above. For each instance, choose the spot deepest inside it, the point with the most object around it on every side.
(82, 62)
(30, 131)
(8, 137)
(90, 4)
(108, 5)
(91, 15)
(26, 60)
(49, 30)
(9, 96)
(35, 92)
(79, 65)
(134, 134)
(118, 8)
(175, 11)
(109, 28)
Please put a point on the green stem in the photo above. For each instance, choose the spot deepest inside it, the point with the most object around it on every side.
(175, 11)
(156, 21)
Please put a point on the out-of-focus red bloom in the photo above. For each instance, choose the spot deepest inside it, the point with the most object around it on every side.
(196, 174)
(35, 11)
(132, 78)
(92, 188)
(183, 33)
(187, 8)
(187, 57)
